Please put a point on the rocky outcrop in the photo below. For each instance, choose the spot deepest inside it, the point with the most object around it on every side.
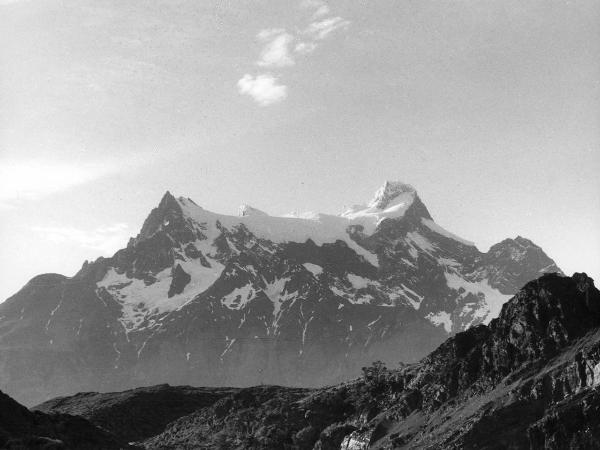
(179, 280)
(573, 423)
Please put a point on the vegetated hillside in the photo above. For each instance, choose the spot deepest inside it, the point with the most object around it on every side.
(208, 299)
(528, 380)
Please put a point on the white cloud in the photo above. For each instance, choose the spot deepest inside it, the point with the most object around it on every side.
(322, 11)
(311, 3)
(279, 49)
(321, 29)
(304, 48)
(262, 88)
(276, 53)
(105, 239)
(34, 179)
(268, 33)
(320, 7)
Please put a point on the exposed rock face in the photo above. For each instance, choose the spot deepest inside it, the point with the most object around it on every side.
(179, 280)
(573, 423)
(208, 299)
(23, 429)
(513, 262)
(529, 380)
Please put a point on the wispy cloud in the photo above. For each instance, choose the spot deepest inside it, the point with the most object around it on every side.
(276, 52)
(321, 29)
(279, 48)
(320, 8)
(321, 11)
(106, 239)
(22, 180)
(304, 48)
(264, 89)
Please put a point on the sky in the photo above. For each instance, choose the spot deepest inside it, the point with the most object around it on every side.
(490, 109)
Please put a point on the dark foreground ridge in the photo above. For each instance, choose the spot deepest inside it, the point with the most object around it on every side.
(528, 380)
(24, 429)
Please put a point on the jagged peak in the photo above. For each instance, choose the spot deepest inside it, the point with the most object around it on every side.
(186, 200)
(167, 208)
(170, 201)
(166, 199)
(388, 192)
(553, 296)
(247, 210)
(392, 200)
(524, 242)
(518, 241)
(521, 251)
(518, 245)
(583, 281)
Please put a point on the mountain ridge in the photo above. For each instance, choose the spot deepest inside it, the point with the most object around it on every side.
(202, 298)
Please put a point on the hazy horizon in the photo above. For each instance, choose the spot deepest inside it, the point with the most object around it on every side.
(491, 110)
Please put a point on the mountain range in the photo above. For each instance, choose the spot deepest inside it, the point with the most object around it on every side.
(209, 299)
(527, 380)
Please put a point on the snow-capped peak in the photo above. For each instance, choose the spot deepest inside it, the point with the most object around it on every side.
(391, 201)
(247, 210)
(388, 192)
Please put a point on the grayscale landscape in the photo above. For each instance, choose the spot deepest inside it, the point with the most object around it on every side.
(306, 224)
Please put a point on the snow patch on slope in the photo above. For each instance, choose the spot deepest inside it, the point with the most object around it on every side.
(416, 240)
(441, 318)
(413, 298)
(278, 296)
(494, 299)
(313, 268)
(247, 210)
(139, 301)
(274, 291)
(239, 297)
(358, 282)
(350, 293)
(443, 232)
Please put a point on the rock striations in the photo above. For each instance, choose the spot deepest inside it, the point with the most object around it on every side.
(208, 299)
(528, 380)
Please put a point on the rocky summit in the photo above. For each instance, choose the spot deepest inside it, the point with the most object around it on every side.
(209, 299)
(528, 380)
